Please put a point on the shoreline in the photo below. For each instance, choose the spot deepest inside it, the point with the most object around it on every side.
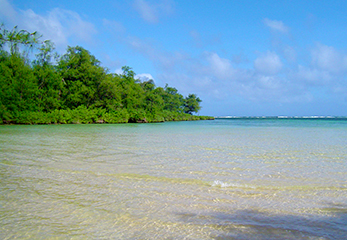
(56, 120)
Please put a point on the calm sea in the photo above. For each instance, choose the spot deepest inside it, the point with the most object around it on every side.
(221, 179)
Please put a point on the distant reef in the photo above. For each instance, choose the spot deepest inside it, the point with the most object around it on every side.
(282, 117)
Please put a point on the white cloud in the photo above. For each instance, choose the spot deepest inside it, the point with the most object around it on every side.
(220, 67)
(212, 76)
(7, 10)
(268, 64)
(276, 25)
(49, 26)
(312, 76)
(152, 12)
(144, 76)
(58, 25)
(329, 59)
(269, 82)
(118, 71)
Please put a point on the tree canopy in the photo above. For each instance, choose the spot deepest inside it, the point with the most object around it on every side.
(75, 88)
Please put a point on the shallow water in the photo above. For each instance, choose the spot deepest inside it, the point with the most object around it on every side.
(222, 179)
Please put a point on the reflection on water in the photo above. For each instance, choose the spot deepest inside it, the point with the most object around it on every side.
(188, 180)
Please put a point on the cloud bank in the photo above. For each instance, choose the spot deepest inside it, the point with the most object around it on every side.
(273, 76)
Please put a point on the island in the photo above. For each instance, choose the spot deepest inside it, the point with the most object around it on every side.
(75, 88)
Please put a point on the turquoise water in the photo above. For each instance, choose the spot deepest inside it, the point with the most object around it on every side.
(221, 179)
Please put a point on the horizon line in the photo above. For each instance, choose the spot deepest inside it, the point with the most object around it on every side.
(284, 117)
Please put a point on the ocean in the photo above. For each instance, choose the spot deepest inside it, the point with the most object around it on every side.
(230, 178)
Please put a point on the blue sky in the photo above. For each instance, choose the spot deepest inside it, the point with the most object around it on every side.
(241, 57)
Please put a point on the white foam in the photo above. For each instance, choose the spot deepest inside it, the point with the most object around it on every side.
(218, 183)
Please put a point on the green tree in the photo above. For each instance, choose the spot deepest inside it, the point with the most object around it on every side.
(153, 101)
(192, 104)
(46, 53)
(128, 73)
(50, 84)
(16, 38)
(173, 100)
(132, 94)
(109, 93)
(18, 90)
(148, 86)
(82, 75)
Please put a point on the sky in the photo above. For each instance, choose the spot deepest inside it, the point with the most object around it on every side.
(240, 57)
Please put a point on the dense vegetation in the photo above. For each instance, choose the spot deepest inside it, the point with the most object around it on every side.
(75, 88)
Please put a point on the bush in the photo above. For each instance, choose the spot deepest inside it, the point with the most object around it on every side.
(121, 116)
(83, 115)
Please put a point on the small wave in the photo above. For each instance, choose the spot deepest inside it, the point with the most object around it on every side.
(218, 183)
(221, 184)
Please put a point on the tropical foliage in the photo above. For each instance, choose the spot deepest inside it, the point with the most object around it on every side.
(75, 88)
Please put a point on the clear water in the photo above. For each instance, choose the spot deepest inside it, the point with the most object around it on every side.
(222, 179)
